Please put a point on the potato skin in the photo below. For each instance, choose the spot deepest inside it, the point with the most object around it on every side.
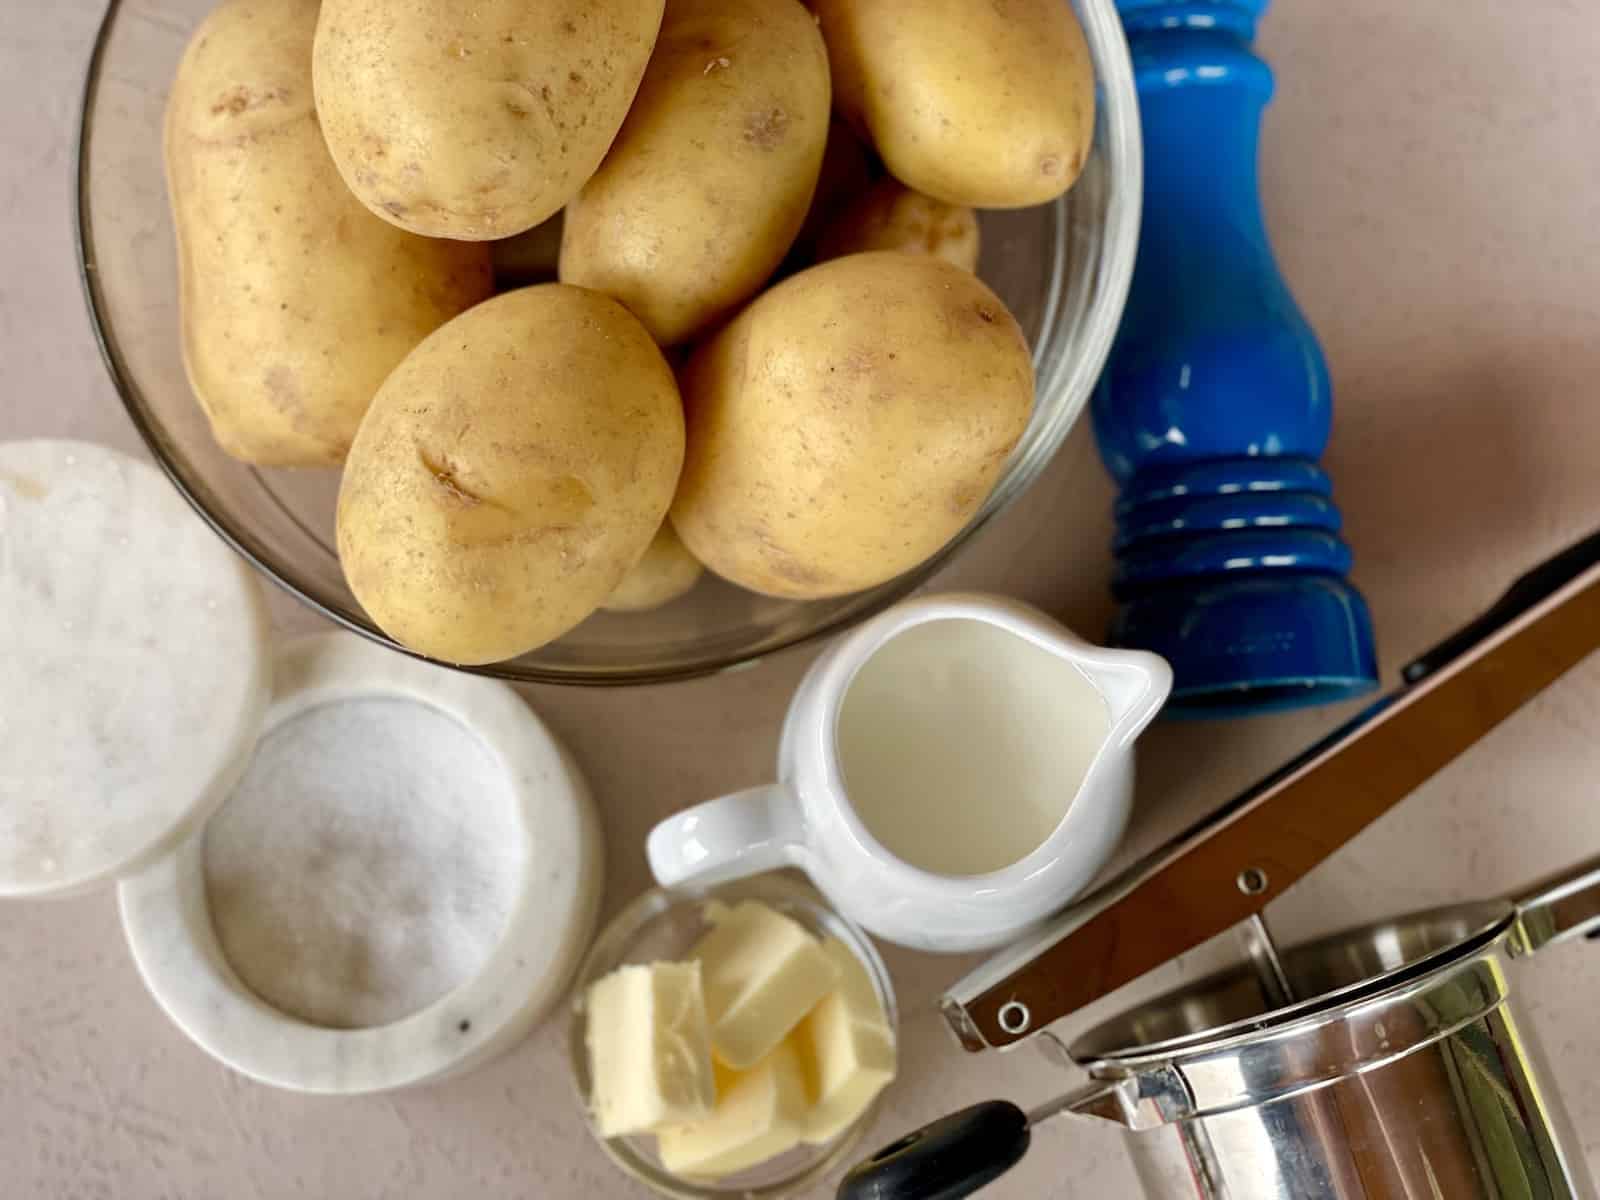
(708, 183)
(296, 302)
(984, 103)
(666, 572)
(848, 424)
(476, 121)
(893, 217)
(510, 472)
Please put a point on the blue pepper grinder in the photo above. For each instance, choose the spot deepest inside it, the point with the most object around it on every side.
(1215, 405)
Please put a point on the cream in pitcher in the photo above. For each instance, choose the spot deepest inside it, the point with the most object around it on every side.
(953, 724)
(951, 773)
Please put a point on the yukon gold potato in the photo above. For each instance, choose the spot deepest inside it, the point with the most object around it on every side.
(510, 472)
(848, 424)
(973, 102)
(296, 302)
(707, 184)
(666, 572)
(893, 217)
(476, 121)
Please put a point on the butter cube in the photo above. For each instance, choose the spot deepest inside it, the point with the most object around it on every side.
(762, 974)
(846, 1048)
(649, 1048)
(760, 1114)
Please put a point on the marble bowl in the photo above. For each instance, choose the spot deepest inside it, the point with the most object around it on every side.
(533, 799)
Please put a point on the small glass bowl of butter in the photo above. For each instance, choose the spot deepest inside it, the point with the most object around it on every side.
(641, 962)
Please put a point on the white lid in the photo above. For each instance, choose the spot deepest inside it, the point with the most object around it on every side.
(133, 667)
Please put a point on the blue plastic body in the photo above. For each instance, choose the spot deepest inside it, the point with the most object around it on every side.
(1216, 404)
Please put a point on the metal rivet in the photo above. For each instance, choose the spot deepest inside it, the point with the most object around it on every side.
(1252, 881)
(1015, 1017)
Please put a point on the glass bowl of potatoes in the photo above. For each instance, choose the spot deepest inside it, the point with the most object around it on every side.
(1062, 269)
(767, 1137)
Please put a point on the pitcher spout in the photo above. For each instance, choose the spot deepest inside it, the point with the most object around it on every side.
(1135, 684)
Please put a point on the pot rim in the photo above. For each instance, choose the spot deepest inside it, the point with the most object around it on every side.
(1488, 921)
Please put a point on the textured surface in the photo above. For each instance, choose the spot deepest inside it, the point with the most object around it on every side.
(1429, 182)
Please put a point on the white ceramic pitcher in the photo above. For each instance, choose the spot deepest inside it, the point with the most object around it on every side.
(807, 820)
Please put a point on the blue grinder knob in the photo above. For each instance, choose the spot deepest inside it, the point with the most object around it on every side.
(1215, 405)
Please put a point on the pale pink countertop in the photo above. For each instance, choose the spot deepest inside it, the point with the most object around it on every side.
(1433, 188)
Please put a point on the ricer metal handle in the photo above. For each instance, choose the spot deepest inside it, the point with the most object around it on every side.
(1559, 910)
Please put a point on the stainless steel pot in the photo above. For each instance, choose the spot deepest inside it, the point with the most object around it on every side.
(1400, 1071)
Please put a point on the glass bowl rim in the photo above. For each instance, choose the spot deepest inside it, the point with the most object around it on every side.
(1119, 244)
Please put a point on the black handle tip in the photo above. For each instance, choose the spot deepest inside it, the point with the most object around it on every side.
(947, 1160)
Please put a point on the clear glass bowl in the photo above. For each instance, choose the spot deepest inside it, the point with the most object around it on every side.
(1063, 270)
(661, 926)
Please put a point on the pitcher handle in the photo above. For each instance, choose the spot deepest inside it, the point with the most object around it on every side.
(1559, 910)
(736, 836)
